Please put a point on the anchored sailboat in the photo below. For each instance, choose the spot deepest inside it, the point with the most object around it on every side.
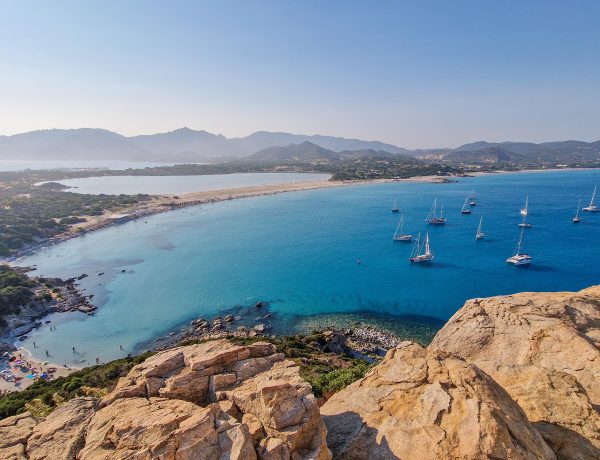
(433, 218)
(472, 200)
(479, 235)
(577, 219)
(524, 223)
(417, 256)
(519, 258)
(400, 235)
(525, 210)
(465, 208)
(395, 207)
(592, 207)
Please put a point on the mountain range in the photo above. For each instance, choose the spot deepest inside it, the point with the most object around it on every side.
(187, 146)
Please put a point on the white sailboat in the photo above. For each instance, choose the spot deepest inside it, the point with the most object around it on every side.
(519, 258)
(395, 207)
(525, 210)
(577, 219)
(479, 235)
(592, 207)
(417, 256)
(400, 235)
(465, 208)
(433, 218)
(472, 199)
(524, 223)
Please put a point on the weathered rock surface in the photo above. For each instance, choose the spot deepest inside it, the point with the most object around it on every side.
(139, 428)
(61, 435)
(209, 401)
(543, 348)
(426, 404)
(14, 433)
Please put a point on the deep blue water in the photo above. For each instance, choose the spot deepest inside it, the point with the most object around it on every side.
(298, 251)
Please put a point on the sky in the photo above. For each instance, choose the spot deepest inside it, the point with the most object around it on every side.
(415, 74)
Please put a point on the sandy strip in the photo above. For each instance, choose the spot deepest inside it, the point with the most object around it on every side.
(163, 203)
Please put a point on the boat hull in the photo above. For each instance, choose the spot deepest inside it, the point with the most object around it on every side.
(591, 209)
(420, 259)
(405, 238)
(519, 260)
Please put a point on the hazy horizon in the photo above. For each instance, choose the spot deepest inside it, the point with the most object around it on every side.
(416, 75)
(433, 147)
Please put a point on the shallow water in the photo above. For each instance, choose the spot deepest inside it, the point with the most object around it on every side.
(298, 251)
(164, 185)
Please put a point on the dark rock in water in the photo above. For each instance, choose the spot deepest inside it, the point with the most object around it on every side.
(258, 304)
(123, 271)
(259, 328)
(229, 319)
(80, 277)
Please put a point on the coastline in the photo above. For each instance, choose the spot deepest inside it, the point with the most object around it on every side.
(164, 203)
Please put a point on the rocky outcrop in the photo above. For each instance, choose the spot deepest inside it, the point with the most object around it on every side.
(513, 377)
(426, 404)
(544, 349)
(214, 400)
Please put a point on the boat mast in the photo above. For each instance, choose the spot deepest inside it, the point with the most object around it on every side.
(416, 249)
(480, 222)
(519, 243)
(593, 197)
(427, 250)
(578, 207)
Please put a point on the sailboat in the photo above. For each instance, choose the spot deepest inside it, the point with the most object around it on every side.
(465, 208)
(432, 217)
(472, 200)
(400, 235)
(395, 207)
(525, 210)
(577, 219)
(524, 223)
(417, 256)
(479, 235)
(592, 207)
(519, 258)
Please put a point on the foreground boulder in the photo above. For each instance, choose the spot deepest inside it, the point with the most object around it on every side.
(424, 404)
(543, 348)
(213, 400)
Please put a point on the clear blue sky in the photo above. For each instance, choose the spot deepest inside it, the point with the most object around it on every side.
(416, 74)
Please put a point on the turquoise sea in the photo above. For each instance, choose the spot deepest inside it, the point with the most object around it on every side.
(298, 252)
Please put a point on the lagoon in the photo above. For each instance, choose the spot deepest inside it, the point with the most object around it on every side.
(298, 252)
(168, 185)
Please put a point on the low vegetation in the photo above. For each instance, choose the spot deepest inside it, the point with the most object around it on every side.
(16, 291)
(29, 214)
